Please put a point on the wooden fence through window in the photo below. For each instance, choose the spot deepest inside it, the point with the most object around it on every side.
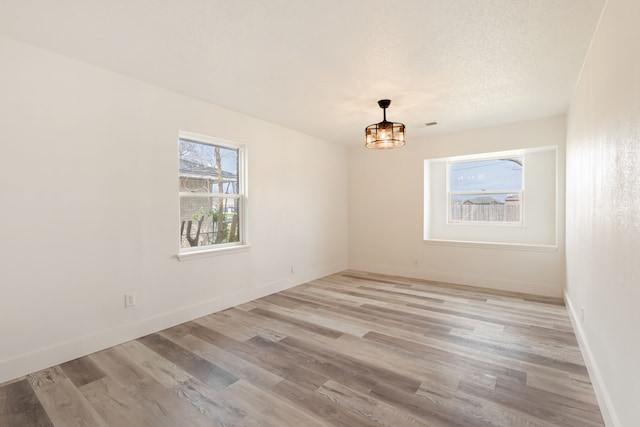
(485, 213)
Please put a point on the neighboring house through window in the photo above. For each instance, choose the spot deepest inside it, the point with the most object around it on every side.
(211, 193)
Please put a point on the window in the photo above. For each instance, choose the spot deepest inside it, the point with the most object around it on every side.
(211, 193)
(485, 190)
(498, 209)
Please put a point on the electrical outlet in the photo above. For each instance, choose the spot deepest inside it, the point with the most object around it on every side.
(582, 314)
(130, 299)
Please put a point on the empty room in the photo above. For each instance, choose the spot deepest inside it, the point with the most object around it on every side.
(320, 213)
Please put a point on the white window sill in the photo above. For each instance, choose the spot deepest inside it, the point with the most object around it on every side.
(185, 256)
(492, 245)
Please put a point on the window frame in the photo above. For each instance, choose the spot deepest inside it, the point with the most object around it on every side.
(240, 196)
(477, 158)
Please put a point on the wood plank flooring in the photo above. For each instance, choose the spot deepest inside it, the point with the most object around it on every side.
(351, 349)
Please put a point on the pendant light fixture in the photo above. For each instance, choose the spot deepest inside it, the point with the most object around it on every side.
(384, 135)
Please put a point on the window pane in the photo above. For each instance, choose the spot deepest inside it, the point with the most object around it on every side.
(486, 175)
(206, 221)
(208, 168)
(489, 207)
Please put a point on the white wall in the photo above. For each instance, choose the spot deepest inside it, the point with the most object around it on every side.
(386, 214)
(88, 173)
(603, 211)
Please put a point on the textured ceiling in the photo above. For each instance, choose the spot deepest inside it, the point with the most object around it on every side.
(320, 66)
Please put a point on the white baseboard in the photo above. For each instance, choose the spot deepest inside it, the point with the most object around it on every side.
(535, 288)
(63, 352)
(603, 397)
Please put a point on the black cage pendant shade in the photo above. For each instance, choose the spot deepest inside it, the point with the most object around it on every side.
(384, 135)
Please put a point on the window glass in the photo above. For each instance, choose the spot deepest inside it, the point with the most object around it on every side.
(486, 190)
(486, 175)
(210, 194)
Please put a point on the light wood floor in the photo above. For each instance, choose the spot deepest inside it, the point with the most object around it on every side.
(352, 349)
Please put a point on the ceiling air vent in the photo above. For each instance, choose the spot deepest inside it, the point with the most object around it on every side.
(424, 125)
